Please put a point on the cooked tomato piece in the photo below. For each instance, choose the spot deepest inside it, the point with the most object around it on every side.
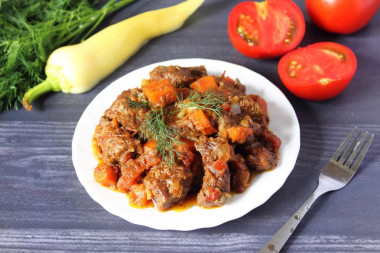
(212, 194)
(186, 148)
(130, 172)
(341, 16)
(319, 71)
(105, 175)
(266, 29)
(226, 107)
(150, 157)
(220, 165)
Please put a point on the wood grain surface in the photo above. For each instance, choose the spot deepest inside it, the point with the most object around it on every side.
(44, 208)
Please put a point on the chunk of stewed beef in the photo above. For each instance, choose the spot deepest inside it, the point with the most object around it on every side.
(167, 186)
(178, 76)
(114, 144)
(215, 152)
(128, 116)
(240, 173)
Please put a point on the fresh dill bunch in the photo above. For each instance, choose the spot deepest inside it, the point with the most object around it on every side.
(166, 138)
(208, 100)
(30, 30)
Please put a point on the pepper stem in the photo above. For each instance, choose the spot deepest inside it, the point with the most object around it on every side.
(50, 84)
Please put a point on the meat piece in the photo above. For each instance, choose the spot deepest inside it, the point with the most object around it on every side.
(129, 117)
(198, 173)
(250, 107)
(261, 102)
(233, 87)
(178, 76)
(197, 71)
(114, 144)
(261, 152)
(216, 181)
(260, 158)
(239, 173)
(167, 186)
(270, 140)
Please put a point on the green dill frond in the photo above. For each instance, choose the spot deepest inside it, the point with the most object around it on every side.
(166, 138)
(208, 100)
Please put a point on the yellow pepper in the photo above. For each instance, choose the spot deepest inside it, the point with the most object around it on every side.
(78, 68)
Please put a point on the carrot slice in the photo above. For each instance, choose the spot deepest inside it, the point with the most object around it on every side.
(201, 122)
(160, 93)
(138, 195)
(239, 133)
(105, 175)
(204, 84)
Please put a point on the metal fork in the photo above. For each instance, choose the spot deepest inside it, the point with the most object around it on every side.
(338, 172)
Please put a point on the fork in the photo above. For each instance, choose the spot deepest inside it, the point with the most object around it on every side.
(337, 173)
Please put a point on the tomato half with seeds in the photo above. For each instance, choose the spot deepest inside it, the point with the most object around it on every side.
(319, 71)
(266, 29)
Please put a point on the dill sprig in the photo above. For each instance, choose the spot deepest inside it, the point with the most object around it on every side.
(166, 138)
(208, 100)
(30, 30)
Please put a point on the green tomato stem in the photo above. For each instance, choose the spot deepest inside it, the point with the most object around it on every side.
(50, 84)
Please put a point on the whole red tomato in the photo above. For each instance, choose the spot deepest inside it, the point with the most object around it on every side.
(341, 16)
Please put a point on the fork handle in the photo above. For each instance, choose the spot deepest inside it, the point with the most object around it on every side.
(276, 243)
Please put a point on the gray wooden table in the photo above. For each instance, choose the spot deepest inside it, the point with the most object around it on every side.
(43, 207)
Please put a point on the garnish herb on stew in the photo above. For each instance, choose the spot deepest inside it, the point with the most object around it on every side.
(154, 128)
(206, 101)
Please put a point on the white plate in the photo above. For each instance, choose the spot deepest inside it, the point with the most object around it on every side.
(283, 122)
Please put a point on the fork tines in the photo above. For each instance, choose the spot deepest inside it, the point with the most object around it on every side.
(353, 149)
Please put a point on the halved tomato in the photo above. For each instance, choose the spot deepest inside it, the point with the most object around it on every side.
(319, 71)
(266, 29)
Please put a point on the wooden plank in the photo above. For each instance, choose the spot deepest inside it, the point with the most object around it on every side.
(50, 240)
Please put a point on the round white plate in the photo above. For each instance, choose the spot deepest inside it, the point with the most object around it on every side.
(283, 122)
